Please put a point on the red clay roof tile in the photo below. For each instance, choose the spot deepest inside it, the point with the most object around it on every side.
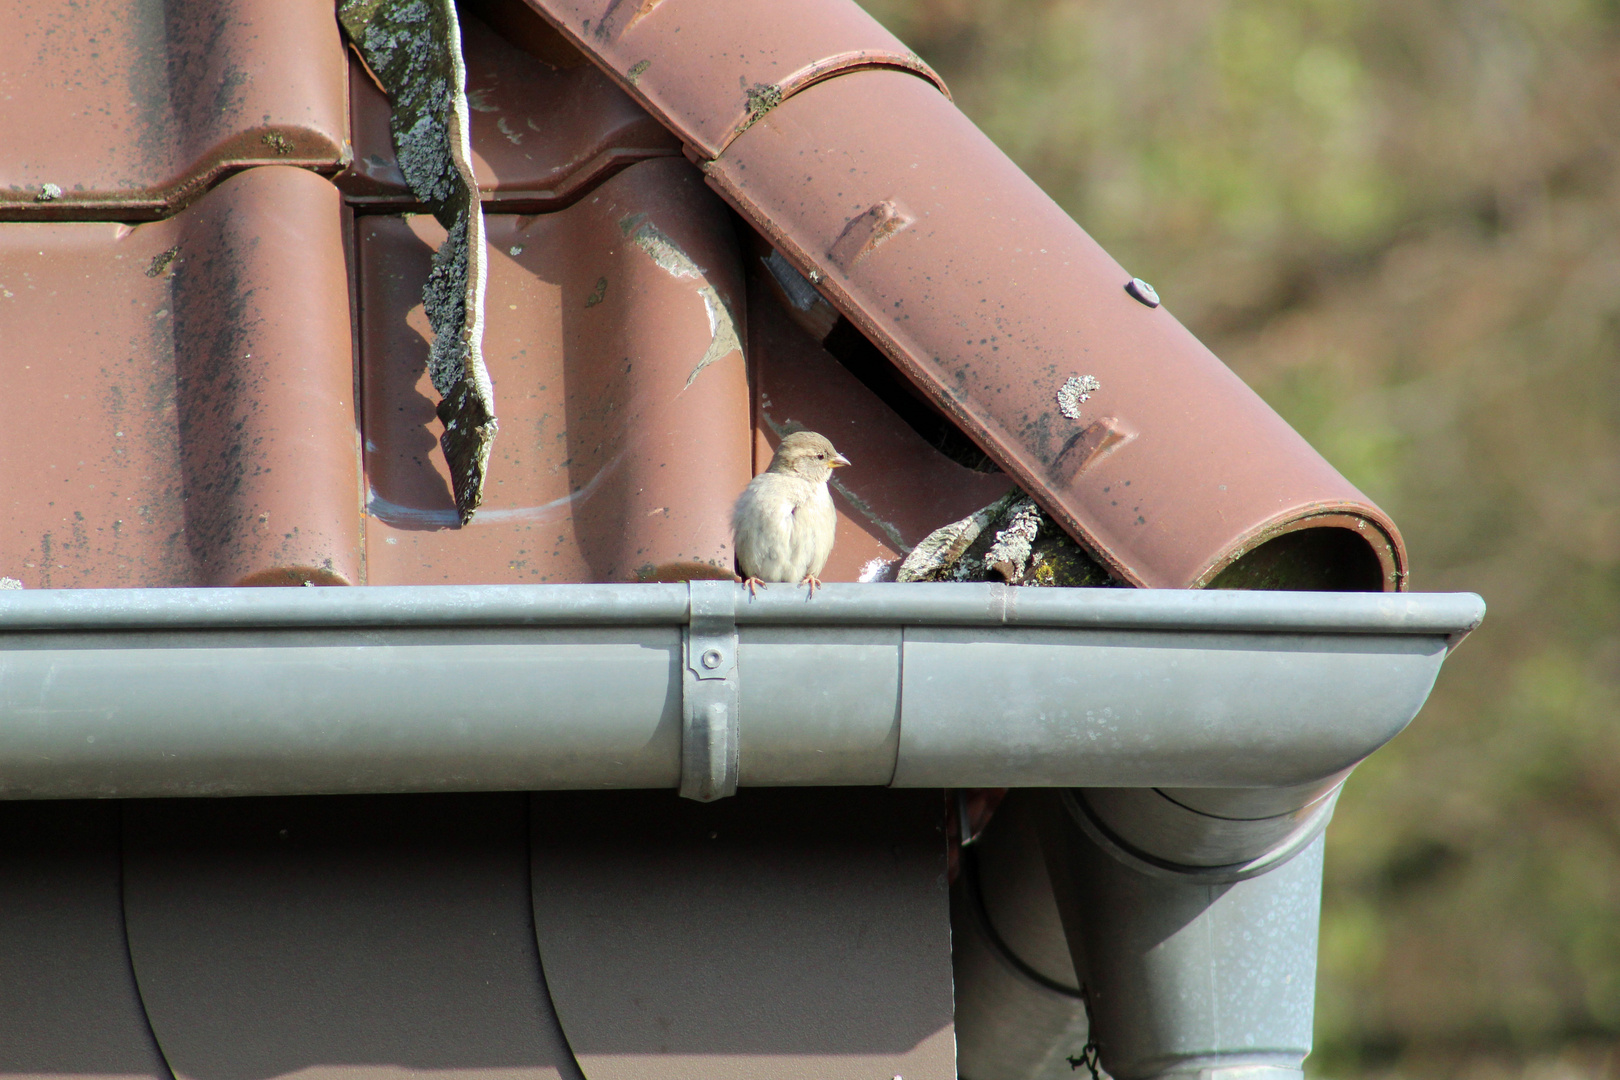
(186, 392)
(223, 377)
(624, 403)
(128, 109)
(541, 135)
(709, 68)
(991, 298)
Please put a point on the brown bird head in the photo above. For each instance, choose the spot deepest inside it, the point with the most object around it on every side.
(808, 456)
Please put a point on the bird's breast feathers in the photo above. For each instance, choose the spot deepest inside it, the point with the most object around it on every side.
(784, 527)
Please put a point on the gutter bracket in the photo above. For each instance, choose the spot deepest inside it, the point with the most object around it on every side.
(709, 692)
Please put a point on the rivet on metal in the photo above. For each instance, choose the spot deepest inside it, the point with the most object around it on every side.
(711, 659)
(1143, 292)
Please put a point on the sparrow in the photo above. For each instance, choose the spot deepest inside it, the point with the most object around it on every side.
(784, 520)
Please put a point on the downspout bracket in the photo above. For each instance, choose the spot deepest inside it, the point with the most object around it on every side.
(709, 692)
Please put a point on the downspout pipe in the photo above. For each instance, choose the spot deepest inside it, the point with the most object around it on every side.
(1192, 917)
(701, 687)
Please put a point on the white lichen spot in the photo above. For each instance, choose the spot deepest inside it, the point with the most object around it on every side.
(944, 548)
(10, 583)
(48, 193)
(673, 260)
(1014, 543)
(877, 570)
(1076, 389)
(515, 250)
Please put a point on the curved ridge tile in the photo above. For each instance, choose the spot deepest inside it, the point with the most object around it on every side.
(184, 395)
(710, 68)
(340, 938)
(542, 134)
(783, 933)
(136, 106)
(613, 336)
(68, 1001)
(1124, 427)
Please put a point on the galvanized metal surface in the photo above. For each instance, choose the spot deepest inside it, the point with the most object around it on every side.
(542, 134)
(1188, 977)
(1450, 616)
(710, 690)
(928, 686)
(991, 298)
(710, 68)
(778, 934)
(1148, 829)
(182, 395)
(1018, 1010)
(128, 109)
(613, 336)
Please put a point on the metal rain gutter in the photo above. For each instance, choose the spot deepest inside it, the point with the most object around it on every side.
(185, 692)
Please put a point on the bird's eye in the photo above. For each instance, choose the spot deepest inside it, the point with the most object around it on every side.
(821, 457)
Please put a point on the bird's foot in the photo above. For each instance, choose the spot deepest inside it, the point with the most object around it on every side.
(812, 581)
(753, 584)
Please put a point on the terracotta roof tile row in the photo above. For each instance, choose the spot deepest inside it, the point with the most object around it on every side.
(542, 135)
(128, 109)
(624, 438)
(183, 394)
(201, 387)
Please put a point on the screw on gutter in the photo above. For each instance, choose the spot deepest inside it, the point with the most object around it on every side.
(48, 193)
(1143, 292)
(711, 659)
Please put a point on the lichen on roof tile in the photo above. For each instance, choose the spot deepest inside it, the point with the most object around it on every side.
(414, 49)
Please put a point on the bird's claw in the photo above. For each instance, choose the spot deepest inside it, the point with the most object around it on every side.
(812, 581)
(753, 585)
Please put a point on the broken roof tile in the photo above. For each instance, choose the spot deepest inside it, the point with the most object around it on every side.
(186, 390)
(131, 108)
(710, 68)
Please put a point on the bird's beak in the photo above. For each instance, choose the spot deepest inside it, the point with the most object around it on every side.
(838, 461)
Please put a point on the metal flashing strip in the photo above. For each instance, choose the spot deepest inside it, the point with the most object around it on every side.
(127, 693)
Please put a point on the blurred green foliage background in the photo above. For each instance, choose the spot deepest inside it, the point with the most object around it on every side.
(1399, 220)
